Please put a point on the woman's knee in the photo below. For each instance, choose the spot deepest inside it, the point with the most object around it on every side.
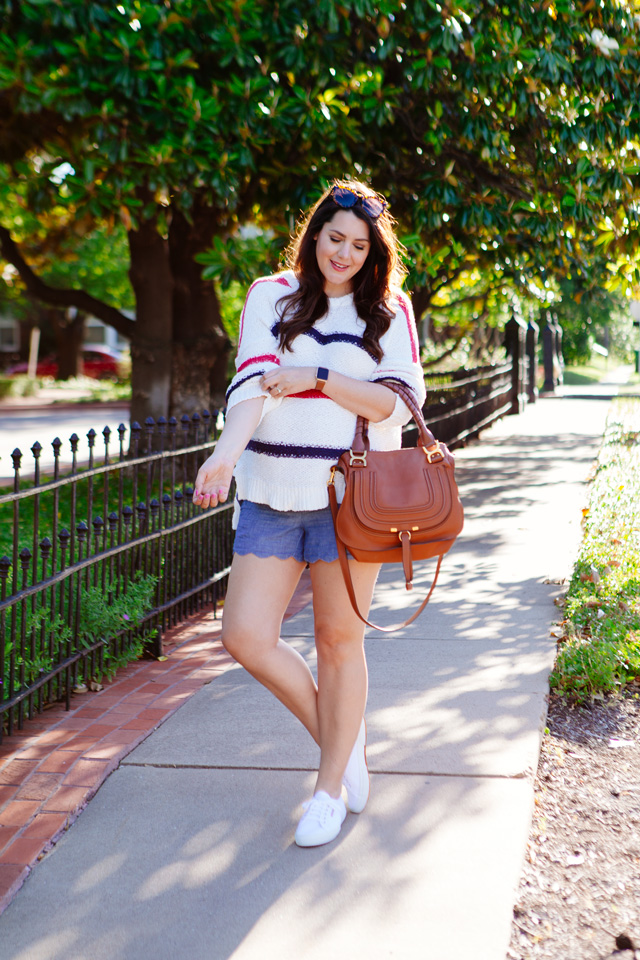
(246, 645)
(336, 643)
(238, 642)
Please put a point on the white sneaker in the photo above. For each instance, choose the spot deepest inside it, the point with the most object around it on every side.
(356, 775)
(321, 821)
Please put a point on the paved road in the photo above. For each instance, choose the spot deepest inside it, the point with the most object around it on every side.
(21, 426)
(187, 849)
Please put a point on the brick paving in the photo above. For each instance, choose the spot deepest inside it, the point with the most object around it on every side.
(51, 768)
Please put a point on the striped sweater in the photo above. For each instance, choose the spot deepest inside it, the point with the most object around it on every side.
(287, 462)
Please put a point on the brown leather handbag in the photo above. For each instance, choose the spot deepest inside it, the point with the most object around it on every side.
(398, 506)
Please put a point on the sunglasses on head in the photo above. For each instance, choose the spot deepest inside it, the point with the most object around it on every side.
(347, 197)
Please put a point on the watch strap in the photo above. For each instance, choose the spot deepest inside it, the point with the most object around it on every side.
(322, 375)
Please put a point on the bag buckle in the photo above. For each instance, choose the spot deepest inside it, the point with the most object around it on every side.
(360, 458)
(434, 454)
(332, 478)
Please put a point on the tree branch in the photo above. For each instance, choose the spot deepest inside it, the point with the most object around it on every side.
(470, 298)
(443, 356)
(445, 279)
(58, 297)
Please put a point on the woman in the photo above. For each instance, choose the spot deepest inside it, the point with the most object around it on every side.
(315, 340)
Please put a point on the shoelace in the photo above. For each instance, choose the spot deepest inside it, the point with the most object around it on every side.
(318, 810)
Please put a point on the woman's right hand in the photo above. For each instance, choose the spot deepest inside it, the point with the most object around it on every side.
(213, 481)
(214, 476)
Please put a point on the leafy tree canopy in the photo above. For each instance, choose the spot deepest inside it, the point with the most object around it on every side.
(65, 250)
(506, 136)
(589, 316)
(525, 149)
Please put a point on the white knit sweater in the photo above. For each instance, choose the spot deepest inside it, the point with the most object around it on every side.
(287, 462)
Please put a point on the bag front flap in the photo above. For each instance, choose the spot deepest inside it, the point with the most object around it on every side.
(400, 489)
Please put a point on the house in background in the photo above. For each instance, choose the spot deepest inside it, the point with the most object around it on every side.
(98, 333)
(9, 335)
(15, 337)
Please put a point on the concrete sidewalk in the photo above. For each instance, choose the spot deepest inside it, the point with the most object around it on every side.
(187, 850)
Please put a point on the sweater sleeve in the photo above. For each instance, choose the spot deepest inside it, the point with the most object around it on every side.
(258, 351)
(401, 360)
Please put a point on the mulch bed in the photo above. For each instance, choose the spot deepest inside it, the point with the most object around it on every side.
(579, 894)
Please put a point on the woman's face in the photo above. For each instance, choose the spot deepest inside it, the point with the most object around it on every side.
(341, 250)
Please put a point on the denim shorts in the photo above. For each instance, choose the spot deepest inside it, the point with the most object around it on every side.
(306, 535)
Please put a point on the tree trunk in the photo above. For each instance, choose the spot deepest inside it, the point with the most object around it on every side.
(200, 344)
(421, 299)
(68, 330)
(151, 342)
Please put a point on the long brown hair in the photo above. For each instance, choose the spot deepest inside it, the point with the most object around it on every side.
(372, 285)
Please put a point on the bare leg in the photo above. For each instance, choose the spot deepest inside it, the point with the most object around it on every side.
(342, 667)
(257, 597)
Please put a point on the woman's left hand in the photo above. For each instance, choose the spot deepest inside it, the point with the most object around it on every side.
(285, 381)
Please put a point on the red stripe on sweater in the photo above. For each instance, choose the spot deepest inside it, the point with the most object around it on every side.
(267, 356)
(308, 395)
(281, 280)
(413, 334)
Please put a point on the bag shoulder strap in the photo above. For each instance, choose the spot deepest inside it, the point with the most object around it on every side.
(346, 574)
(361, 439)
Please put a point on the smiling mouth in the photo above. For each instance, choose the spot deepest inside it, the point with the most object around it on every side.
(338, 266)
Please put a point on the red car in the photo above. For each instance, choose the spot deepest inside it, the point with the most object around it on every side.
(97, 361)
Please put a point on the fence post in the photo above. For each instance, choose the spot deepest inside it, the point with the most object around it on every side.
(549, 354)
(515, 338)
(532, 361)
(559, 369)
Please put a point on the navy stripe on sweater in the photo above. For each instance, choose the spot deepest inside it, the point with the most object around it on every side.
(238, 383)
(324, 338)
(294, 451)
(395, 380)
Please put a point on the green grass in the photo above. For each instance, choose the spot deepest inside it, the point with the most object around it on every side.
(632, 386)
(74, 390)
(86, 390)
(20, 386)
(46, 506)
(96, 391)
(600, 650)
(593, 372)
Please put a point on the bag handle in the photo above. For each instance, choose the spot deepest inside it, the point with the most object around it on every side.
(348, 582)
(427, 439)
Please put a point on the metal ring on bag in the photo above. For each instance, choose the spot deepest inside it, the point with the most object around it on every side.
(435, 454)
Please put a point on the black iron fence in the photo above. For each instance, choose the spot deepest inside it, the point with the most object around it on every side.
(463, 402)
(98, 563)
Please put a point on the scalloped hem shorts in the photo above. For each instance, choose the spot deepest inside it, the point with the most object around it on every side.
(305, 535)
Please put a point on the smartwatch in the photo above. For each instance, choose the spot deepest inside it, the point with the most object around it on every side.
(322, 375)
